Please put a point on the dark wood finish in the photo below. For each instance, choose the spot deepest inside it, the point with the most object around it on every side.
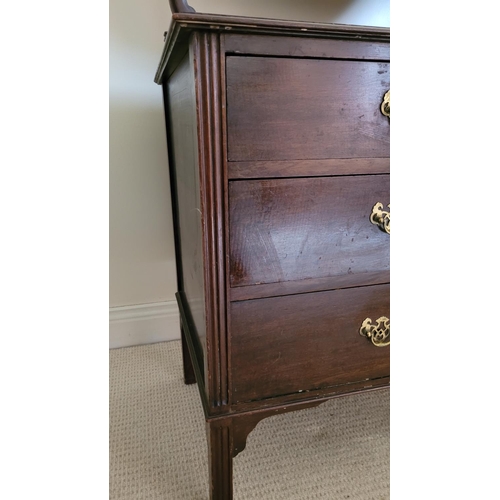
(307, 168)
(287, 341)
(206, 54)
(192, 102)
(227, 437)
(293, 229)
(183, 25)
(179, 96)
(188, 330)
(220, 453)
(177, 6)
(296, 343)
(292, 400)
(189, 376)
(302, 47)
(295, 109)
(308, 285)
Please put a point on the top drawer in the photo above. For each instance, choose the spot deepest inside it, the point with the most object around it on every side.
(300, 109)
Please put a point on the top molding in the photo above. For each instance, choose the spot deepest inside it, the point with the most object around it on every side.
(184, 23)
(180, 6)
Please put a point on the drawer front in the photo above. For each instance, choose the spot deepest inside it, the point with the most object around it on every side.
(286, 345)
(297, 229)
(303, 109)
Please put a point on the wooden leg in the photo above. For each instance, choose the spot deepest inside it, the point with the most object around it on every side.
(189, 377)
(220, 459)
(227, 437)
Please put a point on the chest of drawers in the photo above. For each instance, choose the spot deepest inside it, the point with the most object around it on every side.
(278, 139)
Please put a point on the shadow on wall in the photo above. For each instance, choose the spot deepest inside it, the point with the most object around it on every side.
(368, 12)
(142, 255)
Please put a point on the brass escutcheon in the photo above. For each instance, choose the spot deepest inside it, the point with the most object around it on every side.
(381, 217)
(386, 105)
(378, 333)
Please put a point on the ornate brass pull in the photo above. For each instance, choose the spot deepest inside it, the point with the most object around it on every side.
(386, 105)
(378, 333)
(381, 218)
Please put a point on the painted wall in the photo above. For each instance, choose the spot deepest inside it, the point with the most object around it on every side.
(363, 12)
(142, 259)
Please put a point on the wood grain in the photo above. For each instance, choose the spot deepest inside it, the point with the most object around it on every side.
(277, 152)
(297, 229)
(323, 48)
(206, 54)
(220, 458)
(182, 137)
(307, 168)
(302, 109)
(296, 343)
(312, 395)
(308, 285)
(184, 24)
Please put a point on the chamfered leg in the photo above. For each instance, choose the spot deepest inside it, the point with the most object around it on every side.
(189, 377)
(220, 459)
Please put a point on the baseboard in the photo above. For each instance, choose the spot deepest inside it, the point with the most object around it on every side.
(143, 324)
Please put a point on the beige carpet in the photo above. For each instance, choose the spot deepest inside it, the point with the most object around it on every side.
(158, 449)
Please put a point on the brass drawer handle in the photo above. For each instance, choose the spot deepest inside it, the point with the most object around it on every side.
(378, 333)
(386, 105)
(381, 217)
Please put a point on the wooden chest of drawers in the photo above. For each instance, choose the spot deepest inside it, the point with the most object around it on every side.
(278, 137)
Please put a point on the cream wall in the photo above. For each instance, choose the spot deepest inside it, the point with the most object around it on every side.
(142, 257)
(364, 12)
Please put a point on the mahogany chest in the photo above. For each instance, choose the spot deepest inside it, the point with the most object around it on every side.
(278, 140)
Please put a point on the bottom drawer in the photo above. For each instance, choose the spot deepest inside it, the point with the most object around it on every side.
(284, 345)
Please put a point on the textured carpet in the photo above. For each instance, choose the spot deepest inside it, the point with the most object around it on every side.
(158, 448)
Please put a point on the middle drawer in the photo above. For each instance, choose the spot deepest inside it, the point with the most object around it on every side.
(285, 230)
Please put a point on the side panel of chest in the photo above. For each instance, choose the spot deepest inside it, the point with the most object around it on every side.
(182, 134)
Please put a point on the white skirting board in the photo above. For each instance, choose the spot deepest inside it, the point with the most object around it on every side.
(143, 324)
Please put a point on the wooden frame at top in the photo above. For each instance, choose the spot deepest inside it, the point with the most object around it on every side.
(178, 6)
